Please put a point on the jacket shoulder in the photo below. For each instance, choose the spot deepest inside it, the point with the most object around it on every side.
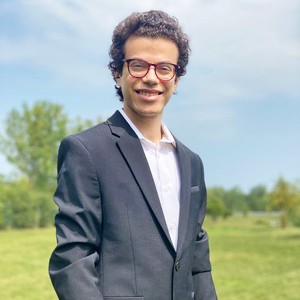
(92, 132)
(88, 136)
(193, 155)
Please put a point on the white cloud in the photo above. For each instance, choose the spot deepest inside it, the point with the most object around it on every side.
(240, 49)
(257, 40)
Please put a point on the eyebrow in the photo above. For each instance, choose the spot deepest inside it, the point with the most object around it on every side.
(163, 61)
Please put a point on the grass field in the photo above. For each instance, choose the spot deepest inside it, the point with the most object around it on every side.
(251, 260)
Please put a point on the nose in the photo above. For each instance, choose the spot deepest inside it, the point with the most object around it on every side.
(151, 77)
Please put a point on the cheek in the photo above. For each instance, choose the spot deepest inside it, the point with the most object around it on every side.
(123, 83)
(127, 80)
(170, 87)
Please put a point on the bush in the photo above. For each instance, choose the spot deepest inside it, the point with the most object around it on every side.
(2, 208)
(294, 216)
(23, 207)
(216, 208)
(45, 209)
(4, 213)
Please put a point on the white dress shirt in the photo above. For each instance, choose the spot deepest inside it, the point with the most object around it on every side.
(163, 164)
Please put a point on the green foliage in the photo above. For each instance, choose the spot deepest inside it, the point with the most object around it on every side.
(2, 207)
(32, 137)
(257, 198)
(222, 203)
(235, 200)
(215, 208)
(46, 208)
(294, 216)
(215, 204)
(283, 198)
(23, 207)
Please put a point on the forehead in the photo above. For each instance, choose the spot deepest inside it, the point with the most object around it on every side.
(152, 50)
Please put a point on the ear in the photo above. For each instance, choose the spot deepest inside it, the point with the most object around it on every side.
(117, 77)
(177, 81)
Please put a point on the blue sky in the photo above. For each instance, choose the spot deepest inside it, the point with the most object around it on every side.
(238, 106)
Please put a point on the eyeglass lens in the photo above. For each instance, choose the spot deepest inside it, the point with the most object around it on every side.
(139, 68)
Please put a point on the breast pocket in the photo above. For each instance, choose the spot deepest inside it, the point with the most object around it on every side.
(195, 189)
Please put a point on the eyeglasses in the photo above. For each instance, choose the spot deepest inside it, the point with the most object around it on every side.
(139, 68)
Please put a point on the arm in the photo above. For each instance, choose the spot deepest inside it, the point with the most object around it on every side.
(73, 263)
(204, 288)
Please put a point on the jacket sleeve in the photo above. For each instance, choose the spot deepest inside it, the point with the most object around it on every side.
(74, 264)
(203, 284)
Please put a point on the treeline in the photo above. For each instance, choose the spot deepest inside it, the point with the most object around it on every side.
(22, 206)
(25, 206)
(283, 198)
(32, 136)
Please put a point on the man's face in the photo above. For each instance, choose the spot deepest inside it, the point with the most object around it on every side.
(146, 97)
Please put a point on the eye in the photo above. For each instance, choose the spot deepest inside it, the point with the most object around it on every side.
(165, 68)
(138, 65)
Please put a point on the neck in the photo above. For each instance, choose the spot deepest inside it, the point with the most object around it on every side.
(150, 130)
(150, 127)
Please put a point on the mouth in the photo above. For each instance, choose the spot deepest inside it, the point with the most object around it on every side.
(148, 93)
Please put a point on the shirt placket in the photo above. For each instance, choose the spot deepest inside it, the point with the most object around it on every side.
(168, 201)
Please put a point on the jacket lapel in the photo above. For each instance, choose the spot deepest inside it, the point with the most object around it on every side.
(185, 193)
(132, 151)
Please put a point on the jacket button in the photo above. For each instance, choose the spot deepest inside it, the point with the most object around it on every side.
(177, 266)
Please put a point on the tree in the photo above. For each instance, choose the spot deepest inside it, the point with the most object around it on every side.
(215, 203)
(234, 200)
(284, 199)
(21, 206)
(257, 198)
(215, 208)
(32, 137)
(31, 143)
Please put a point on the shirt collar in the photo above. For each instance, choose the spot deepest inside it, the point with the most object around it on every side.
(167, 135)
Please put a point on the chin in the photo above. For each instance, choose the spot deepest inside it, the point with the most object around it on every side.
(150, 113)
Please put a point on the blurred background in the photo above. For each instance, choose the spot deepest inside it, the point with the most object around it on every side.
(238, 107)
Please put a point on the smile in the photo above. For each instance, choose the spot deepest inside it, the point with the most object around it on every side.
(149, 93)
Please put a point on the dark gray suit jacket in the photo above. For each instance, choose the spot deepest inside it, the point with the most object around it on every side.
(113, 241)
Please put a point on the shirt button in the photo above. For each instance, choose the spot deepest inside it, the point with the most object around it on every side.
(172, 227)
(166, 188)
(177, 266)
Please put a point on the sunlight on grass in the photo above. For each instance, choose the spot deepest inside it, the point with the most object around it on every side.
(24, 256)
(251, 261)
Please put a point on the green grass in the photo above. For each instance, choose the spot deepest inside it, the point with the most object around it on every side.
(251, 260)
(24, 256)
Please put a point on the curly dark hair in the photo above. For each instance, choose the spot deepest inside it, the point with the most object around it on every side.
(152, 24)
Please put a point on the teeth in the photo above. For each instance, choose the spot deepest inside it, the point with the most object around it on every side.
(148, 94)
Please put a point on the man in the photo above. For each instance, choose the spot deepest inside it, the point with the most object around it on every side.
(131, 197)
